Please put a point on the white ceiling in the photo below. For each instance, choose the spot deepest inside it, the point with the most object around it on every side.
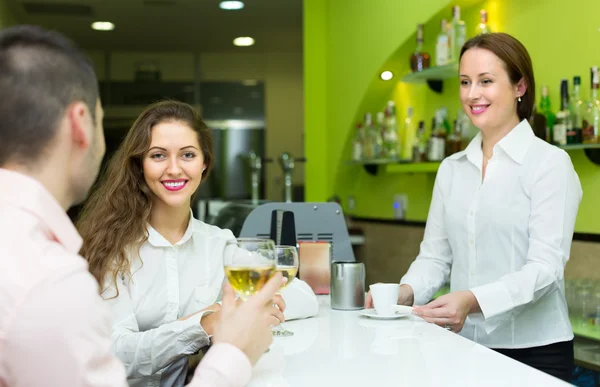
(159, 25)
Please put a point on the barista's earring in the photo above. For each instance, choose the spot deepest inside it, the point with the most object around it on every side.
(203, 169)
(519, 99)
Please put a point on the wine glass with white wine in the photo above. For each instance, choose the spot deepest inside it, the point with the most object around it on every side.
(250, 266)
(286, 264)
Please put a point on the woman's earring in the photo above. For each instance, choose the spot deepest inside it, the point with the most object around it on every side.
(519, 99)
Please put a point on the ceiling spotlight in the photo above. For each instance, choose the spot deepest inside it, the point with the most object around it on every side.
(387, 75)
(243, 41)
(231, 5)
(103, 26)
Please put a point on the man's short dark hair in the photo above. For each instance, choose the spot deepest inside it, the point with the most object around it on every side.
(41, 74)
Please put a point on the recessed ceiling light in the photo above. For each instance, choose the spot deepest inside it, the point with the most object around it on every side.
(231, 5)
(103, 26)
(387, 75)
(243, 41)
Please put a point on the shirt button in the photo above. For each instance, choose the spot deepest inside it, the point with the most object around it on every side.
(471, 213)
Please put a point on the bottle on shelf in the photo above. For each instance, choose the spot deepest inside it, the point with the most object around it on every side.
(537, 121)
(380, 125)
(409, 133)
(374, 140)
(442, 47)
(454, 140)
(546, 110)
(358, 142)
(419, 148)
(574, 136)
(436, 146)
(419, 60)
(367, 147)
(467, 129)
(591, 115)
(560, 128)
(562, 124)
(458, 34)
(390, 135)
(482, 27)
(445, 121)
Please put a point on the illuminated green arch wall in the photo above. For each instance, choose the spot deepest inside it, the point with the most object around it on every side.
(347, 45)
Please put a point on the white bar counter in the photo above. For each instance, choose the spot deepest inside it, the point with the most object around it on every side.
(343, 348)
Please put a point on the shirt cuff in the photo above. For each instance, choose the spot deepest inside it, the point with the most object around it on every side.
(420, 296)
(228, 361)
(495, 302)
(193, 334)
(300, 301)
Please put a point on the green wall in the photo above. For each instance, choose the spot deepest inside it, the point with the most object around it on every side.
(346, 47)
(6, 16)
(345, 44)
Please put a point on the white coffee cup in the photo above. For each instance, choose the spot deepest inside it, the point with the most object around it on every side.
(385, 298)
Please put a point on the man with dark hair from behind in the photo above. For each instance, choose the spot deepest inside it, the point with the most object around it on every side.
(54, 328)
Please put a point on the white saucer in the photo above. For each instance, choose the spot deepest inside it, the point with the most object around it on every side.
(401, 311)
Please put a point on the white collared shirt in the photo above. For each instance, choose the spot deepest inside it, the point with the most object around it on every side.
(506, 238)
(172, 281)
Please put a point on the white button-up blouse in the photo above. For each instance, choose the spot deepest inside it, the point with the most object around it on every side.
(169, 282)
(506, 238)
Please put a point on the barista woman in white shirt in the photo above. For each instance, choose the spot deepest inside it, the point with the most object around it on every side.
(160, 269)
(501, 220)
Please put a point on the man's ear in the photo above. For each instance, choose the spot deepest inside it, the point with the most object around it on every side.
(79, 119)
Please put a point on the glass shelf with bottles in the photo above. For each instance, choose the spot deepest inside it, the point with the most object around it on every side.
(576, 125)
(399, 164)
(451, 37)
(579, 146)
(437, 73)
(410, 150)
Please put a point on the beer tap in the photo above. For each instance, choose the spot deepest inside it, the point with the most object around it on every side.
(288, 163)
(255, 162)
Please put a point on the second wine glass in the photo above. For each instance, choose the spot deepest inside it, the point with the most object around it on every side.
(286, 261)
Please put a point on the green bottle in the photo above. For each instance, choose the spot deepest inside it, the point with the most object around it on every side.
(546, 110)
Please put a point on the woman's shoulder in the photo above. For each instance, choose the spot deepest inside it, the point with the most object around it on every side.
(209, 230)
(545, 155)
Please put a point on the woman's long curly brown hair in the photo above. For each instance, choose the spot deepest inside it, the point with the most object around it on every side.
(114, 220)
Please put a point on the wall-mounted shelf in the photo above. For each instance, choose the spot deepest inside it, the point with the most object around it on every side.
(427, 167)
(406, 166)
(433, 76)
(592, 151)
(375, 161)
(396, 166)
(580, 146)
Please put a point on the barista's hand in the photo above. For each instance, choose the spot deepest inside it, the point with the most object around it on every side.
(405, 297)
(449, 311)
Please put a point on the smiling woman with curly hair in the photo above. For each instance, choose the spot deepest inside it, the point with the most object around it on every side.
(161, 270)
